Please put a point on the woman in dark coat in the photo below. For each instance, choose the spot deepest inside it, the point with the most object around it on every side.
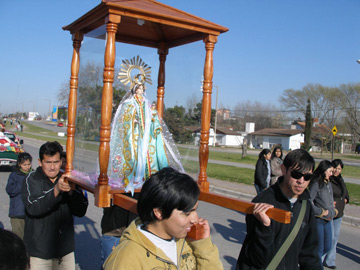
(262, 171)
(13, 189)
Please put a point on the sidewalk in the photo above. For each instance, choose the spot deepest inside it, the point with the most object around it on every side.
(247, 193)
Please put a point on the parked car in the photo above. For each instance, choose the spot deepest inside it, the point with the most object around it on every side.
(60, 124)
(9, 148)
(12, 136)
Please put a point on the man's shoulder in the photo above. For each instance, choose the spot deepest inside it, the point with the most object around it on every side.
(34, 175)
(266, 196)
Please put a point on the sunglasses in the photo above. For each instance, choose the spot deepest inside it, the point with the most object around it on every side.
(298, 175)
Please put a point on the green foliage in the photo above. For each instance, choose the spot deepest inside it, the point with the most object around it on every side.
(193, 117)
(174, 119)
(308, 125)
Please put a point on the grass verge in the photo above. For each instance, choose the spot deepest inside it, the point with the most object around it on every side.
(223, 172)
(48, 135)
(354, 193)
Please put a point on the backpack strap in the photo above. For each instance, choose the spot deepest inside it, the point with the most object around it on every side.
(285, 246)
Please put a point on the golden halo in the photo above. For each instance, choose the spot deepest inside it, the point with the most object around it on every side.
(128, 66)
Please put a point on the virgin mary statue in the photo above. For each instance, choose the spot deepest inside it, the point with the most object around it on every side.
(140, 143)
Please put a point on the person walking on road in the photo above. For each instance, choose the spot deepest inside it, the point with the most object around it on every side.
(341, 197)
(275, 162)
(13, 189)
(265, 239)
(50, 205)
(262, 171)
(321, 195)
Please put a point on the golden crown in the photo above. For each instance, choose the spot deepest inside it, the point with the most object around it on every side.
(128, 66)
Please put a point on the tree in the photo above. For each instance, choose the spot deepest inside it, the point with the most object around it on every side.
(191, 102)
(193, 117)
(63, 93)
(324, 100)
(263, 115)
(349, 99)
(174, 118)
(89, 98)
(308, 125)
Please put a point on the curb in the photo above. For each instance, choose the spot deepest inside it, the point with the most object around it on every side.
(231, 193)
(352, 221)
(349, 220)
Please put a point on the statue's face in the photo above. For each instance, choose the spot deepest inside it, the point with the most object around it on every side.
(140, 90)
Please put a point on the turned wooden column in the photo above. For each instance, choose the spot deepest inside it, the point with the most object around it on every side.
(102, 196)
(74, 82)
(206, 112)
(162, 51)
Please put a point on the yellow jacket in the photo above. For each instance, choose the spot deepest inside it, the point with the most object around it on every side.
(136, 251)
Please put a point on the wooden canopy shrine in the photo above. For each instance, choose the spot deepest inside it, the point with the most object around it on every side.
(152, 24)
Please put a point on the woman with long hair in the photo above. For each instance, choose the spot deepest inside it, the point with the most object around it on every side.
(275, 162)
(321, 194)
(341, 197)
(262, 171)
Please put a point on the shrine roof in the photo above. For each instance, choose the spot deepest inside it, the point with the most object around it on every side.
(162, 23)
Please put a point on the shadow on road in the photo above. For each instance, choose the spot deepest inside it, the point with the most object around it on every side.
(87, 246)
(236, 233)
(348, 252)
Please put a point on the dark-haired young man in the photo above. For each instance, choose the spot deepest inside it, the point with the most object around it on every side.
(50, 205)
(13, 255)
(265, 236)
(167, 208)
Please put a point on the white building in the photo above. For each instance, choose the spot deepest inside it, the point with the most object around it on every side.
(269, 137)
(32, 116)
(224, 136)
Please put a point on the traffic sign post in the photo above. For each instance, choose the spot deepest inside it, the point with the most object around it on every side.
(334, 131)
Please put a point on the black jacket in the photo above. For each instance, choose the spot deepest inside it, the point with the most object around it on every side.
(13, 188)
(115, 219)
(49, 225)
(261, 173)
(340, 193)
(262, 243)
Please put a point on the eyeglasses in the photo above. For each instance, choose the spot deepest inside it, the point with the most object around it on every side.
(298, 175)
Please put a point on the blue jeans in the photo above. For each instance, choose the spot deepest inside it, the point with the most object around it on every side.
(107, 244)
(331, 255)
(325, 235)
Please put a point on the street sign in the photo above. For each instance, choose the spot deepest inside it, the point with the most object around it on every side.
(334, 130)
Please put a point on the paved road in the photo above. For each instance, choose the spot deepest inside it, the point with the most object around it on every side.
(227, 227)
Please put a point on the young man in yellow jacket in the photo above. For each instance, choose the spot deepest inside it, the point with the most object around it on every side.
(167, 208)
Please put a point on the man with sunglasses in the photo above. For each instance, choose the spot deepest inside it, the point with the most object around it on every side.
(265, 236)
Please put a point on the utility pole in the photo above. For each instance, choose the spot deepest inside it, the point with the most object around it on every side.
(48, 100)
(216, 108)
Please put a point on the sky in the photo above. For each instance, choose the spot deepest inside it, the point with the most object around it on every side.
(271, 46)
